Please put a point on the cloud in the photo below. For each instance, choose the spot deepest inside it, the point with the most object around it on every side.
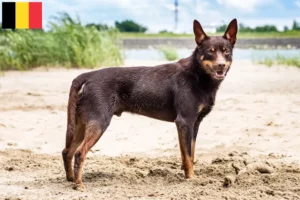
(249, 5)
(297, 3)
(170, 6)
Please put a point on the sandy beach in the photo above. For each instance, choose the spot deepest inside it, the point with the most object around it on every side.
(256, 118)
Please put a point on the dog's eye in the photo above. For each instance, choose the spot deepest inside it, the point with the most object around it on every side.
(211, 50)
(226, 51)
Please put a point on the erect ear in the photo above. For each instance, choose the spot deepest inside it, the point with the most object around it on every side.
(230, 33)
(199, 33)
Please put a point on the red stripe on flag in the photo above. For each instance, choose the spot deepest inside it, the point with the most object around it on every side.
(35, 15)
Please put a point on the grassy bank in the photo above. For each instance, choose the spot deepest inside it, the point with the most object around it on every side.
(281, 60)
(67, 44)
(290, 34)
(169, 53)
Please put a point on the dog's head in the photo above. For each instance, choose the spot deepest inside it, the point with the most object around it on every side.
(215, 53)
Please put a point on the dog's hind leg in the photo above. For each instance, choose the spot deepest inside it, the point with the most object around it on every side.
(94, 131)
(70, 150)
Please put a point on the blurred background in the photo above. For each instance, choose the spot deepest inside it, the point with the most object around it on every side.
(95, 33)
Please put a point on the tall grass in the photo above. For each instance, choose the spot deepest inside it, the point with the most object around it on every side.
(68, 44)
(281, 60)
(169, 53)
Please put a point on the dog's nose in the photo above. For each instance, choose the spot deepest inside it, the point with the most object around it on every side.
(221, 64)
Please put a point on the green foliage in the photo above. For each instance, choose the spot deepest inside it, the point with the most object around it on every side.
(295, 26)
(267, 61)
(222, 28)
(169, 53)
(99, 27)
(68, 43)
(295, 61)
(165, 32)
(129, 26)
(286, 28)
(260, 29)
(281, 60)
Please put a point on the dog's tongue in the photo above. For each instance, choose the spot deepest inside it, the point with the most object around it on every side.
(220, 73)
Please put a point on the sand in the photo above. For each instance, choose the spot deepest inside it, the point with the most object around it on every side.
(256, 118)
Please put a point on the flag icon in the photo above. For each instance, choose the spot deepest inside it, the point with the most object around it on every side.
(22, 15)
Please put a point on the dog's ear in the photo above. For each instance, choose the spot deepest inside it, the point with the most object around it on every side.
(200, 35)
(230, 33)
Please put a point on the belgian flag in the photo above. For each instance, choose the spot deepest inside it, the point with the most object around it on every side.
(22, 15)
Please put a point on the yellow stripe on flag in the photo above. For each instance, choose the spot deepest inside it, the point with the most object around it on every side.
(22, 15)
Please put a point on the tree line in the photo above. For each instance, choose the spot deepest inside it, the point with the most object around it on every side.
(131, 26)
(261, 29)
(124, 26)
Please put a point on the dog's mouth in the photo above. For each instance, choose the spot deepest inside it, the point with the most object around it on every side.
(220, 74)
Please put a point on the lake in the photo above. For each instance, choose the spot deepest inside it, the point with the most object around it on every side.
(239, 54)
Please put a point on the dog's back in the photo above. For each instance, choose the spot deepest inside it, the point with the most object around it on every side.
(148, 91)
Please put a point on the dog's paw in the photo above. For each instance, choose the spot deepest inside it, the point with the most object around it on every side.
(182, 167)
(189, 174)
(79, 187)
(70, 179)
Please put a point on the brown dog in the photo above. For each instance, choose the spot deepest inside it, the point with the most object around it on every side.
(183, 92)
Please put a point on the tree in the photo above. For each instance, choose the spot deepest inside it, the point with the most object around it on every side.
(99, 27)
(130, 26)
(221, 28)
(295, 26)
(165, 32)
(266, 28)
(243, 28)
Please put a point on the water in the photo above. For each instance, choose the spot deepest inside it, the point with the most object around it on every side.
(239, 54)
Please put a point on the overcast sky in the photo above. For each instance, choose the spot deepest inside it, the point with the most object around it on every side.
(159, 14)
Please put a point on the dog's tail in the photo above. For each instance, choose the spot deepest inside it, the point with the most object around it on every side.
(72, 103)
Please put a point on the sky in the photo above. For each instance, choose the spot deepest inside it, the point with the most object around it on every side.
(158, 15)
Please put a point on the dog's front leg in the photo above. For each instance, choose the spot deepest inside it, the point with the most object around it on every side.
(195, 133)
(185, 135)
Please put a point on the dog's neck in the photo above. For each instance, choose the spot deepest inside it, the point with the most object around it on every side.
(204, 80)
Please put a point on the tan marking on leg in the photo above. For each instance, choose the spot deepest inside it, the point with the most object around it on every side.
(186, 158)
(193, 150)
(182, 159)
(92, 135)
(77, 140)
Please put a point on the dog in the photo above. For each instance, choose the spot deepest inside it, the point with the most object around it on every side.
(183, 92)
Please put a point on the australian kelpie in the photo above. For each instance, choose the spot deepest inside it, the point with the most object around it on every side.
(183, 92)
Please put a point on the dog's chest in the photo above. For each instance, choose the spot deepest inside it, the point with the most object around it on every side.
(203, 109)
